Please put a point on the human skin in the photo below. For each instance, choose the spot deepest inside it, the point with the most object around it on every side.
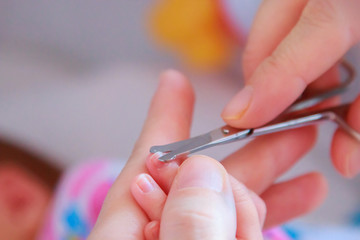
(169, 120)
(204, 202)
(23, 203)
(295, 45)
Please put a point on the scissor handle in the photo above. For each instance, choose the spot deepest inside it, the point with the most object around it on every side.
(309, 100)
(336, 114)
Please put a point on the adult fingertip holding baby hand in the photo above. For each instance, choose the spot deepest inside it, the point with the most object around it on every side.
(204, 202)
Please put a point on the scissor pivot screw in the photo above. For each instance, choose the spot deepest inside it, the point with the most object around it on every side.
(226, 131)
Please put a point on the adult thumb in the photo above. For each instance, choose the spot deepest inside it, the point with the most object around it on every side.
(200, 204)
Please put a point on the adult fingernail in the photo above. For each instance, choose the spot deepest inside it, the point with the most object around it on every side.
(354, 162)
(145, 183)
(236, 108)
(200, 172)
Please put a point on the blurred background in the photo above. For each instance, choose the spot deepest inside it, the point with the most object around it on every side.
(76, 79)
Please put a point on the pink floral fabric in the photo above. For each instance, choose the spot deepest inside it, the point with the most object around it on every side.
(79, 198)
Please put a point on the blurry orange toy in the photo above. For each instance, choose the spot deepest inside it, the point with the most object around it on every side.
(196, 30)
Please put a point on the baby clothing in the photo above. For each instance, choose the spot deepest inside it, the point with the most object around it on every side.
(78, 200)
(79, 197)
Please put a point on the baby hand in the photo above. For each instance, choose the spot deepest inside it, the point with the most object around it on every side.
(204, 202)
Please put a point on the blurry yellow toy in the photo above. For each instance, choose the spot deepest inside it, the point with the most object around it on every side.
(195, 30)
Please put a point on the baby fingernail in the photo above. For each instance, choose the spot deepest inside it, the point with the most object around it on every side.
(154, 159)
(202, 173)
(239, 104)
(354, 162)
(145, 184)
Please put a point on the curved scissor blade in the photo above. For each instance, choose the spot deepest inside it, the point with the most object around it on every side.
(218, 136)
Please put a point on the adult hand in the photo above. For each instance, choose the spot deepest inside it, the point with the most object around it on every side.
(169, 120)
(291, 44)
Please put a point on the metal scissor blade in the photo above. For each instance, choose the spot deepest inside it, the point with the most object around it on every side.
(189, 146)
(170, 147)
(213, 135)
(218, 136)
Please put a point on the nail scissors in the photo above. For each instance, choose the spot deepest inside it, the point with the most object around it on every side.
(296, 116)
